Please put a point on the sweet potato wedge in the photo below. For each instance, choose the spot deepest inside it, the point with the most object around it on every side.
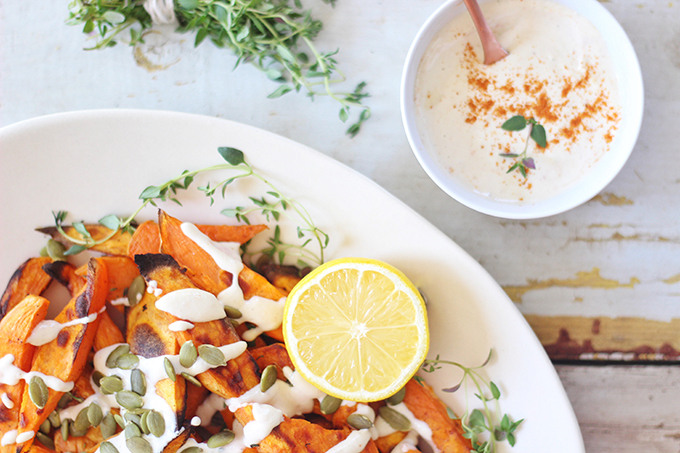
(121, 270)
(15, 328)
(29, 278)
(117, 245)
(274, 354)
(66, 356)
(447, 434)
(282, 277)
(240, 374)
(146, 239)
(387, 443)
(108, 333)
(65, 273)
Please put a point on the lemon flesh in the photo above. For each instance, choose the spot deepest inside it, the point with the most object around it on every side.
(356, 329)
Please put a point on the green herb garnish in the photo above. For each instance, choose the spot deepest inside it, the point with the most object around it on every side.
(235, 160)
(265, 33)
(476, 423)
(536, 133)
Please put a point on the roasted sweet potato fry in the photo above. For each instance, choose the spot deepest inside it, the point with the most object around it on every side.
(117, 245)
(121, 270)
(15, 329)
(108, 333)
(282, 277)
(65, 357)
(447, 434)
(275, 354)
(66, 274)
(146, 239)
(387, 443)
(29, 278)
(240, 374)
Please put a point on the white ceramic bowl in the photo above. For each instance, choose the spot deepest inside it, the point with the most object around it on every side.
(629, 79)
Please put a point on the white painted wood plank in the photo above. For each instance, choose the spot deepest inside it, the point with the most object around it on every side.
(625, 409)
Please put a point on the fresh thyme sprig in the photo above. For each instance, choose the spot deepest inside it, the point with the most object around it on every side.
(476, 422)
(235, 160)
(265, 33)
(536, 133)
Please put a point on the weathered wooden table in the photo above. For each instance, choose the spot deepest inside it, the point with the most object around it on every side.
(600, 285)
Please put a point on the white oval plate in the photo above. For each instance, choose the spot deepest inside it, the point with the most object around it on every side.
(97, 162)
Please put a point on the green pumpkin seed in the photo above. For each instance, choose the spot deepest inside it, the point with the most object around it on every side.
(43, 252)
(76, 432)
(395, 419)
(136, 290)
(38, 392)
(138, 382)
(45, 440)
(221, 439)
(192, 379)
(155, 423)
(330, 404)
(119, 420)
(358, 421)
(129, 400)
(119, 351)
(192, 450)
(127, 361)
(97, 377)
(64, 400)
(212, 355)
(268, 378)
(233, 313)
(133, 418)
(132, 430)
(108, 426)
(95, 414)
(64, 429)
(107, 447)
(82, 421)
(397, 397)
(143, 422)
(110, 385)
(55, 250)
(45, 427)
(55, 419)
(169, 369)
(138, 445)
(188, 354)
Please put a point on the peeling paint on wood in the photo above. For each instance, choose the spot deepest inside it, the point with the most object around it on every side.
(611, 339)
(583, 279)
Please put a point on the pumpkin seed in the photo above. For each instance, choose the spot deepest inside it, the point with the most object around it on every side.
(192, 379)
(268, 378)
(64, 400)
(212, 355)
(188, 354)
(43, 252)
(136, 290)
(155, 423)
(169, 369)
(397, 397)
(108, 426)
(395, 419)
(97, 377)
(95, 414)
(138, 382)
(133, 418)
(55, 250)
(127, 361)
(45, 440)
(119, 420)
(129, 400)
(64, 429)
(76, 432)
(82, 421)
(143, 422)
(192, 450)
(55, 419)
(45, 427)
(138, 445)
(330, 404)
(221, 439)
(107, 447)
(233, 313)
(113, 357)
(358, 421)
(38, 392)
(132, 430)
(110, 385)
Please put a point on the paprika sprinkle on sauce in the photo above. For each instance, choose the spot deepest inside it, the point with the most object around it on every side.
(558, 73)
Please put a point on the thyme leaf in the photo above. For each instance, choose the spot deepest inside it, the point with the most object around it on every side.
(536, 133)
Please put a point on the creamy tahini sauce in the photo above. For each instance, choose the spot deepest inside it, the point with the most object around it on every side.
(558, 72)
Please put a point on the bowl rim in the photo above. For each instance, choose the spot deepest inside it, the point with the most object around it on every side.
(603, 171)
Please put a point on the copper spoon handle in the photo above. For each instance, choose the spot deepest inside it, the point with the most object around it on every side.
(492, 49)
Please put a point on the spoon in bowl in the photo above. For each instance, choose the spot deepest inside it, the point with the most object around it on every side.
(493, 51)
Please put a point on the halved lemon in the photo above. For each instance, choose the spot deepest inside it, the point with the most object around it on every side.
(356, 329)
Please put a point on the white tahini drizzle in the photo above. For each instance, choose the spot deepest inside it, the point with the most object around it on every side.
(267, 314)
(11, 375)
(49, 329)
(9, 404)
(192, 304)
(180, 326)
(354, 443)
(418, 426)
